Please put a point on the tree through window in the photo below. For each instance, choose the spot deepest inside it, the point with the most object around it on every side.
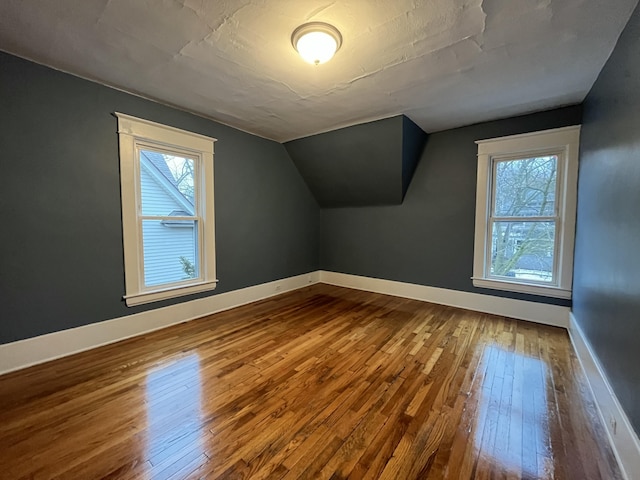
(167, 210)
(524, 218)
(525, 212)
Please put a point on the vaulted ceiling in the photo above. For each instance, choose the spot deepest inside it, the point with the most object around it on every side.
(443, 63)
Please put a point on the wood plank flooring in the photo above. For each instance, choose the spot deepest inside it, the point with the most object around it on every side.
(320, 383)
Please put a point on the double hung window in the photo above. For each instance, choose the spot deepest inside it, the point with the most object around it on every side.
(167, 210)
(525, 212)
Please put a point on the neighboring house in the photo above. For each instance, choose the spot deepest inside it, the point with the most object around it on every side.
(161, 197)
(535, 262)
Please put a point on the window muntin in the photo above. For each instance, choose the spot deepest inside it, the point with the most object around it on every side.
(525, 212)
(167, 210)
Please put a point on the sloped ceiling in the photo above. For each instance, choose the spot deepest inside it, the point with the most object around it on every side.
(443, 63)
(367, 164)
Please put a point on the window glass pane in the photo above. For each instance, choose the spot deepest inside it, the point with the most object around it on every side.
(167, 184)
(170, 251)
(526, 187)
(523, 250)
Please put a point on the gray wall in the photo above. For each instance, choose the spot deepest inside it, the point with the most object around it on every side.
(428, 240)
(61, 242)
(367, 164)
(607, 258)
(413, 141)
(357, 165)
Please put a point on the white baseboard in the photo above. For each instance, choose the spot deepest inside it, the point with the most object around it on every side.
(31, 351)
(622, 437)
(524, 310)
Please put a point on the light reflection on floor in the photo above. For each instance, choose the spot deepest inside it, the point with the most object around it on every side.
(511, 429)
(174, 414)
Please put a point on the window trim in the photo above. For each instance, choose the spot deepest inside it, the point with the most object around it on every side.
(133, 134)
(563, 142)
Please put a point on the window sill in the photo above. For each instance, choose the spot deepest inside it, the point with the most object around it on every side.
(166, 293)
(519, 287)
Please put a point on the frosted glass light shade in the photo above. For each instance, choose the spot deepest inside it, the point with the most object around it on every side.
(316, 42)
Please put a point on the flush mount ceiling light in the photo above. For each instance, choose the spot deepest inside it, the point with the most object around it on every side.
(316, 42)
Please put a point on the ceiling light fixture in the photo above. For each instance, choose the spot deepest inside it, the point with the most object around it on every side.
(316, 42)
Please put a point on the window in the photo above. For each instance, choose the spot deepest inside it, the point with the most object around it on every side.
(167, 210)
(525, 212)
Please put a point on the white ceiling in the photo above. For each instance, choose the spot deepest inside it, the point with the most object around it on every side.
(443, 63)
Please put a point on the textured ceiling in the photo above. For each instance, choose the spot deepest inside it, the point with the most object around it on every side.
(443, 63)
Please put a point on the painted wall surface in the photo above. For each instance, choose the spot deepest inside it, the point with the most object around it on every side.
(607, 259)
(428, 240)
(413, 141)
(61, 251)
(367, 164)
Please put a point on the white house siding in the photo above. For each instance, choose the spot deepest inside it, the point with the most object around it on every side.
(163, 246)
(155, 199)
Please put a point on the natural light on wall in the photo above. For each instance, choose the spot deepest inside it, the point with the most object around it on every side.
(316, 42)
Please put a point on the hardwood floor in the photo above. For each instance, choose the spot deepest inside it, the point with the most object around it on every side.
(324, 382)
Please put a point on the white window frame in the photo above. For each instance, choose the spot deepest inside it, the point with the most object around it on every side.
(135, 134)
(563, 142)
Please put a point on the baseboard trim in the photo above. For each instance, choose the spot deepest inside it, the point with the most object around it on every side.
(554, 315)
(32, 351)
(44, 348)
(623, 439)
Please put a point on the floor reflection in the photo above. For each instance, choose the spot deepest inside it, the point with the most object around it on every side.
(174, 415)
(512, 426)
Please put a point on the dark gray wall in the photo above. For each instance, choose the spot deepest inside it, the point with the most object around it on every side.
(413, 141)
(366, 164)
(428, 240)
(607, 258)
(61, 242)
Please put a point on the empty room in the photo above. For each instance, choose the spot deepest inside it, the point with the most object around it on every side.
(320, 240)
